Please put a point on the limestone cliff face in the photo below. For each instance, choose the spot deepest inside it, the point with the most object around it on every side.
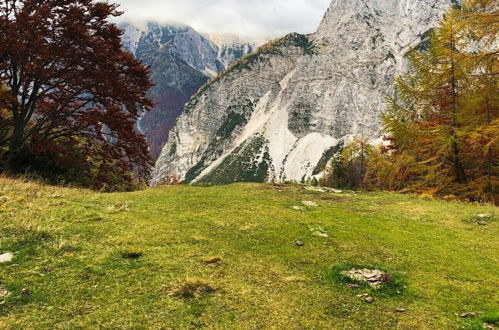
(180, 60)
(273, 116)
(229, 52)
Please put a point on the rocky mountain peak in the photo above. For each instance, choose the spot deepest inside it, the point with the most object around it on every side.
(280, 110)
(180, 60)
(360, 28)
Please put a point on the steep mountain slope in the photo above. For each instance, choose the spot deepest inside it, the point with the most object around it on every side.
(274, 115)
(181, 60)
(230, 52)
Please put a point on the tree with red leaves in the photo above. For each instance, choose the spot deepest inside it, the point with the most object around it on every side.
(69, 95)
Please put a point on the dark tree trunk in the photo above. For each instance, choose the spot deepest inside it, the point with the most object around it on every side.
(458, 167)
(15, 145)
(490, 187)
(362, 162)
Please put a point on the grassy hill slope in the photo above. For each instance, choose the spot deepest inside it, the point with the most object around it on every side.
(225, 257)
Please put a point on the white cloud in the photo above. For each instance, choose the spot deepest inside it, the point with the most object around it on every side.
(257, 19)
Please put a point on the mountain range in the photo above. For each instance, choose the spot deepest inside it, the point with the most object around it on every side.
(180, 60)
(275, 114)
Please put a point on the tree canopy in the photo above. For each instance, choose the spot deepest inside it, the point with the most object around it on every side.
(70, 96)
(444, 120)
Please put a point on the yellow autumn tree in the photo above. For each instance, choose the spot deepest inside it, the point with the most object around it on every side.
(443, 119)
(479, 57)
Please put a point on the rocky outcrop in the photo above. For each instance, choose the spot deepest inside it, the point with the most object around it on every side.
(180, 60)
(230, 52)
(275, 114)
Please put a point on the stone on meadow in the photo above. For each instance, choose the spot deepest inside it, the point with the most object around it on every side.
(6, 257)
(374, 277)
(324, 190)
(484, 215)
(369, 300)
(4, 293)
(320, 234)
(25, 291)
(317, 189)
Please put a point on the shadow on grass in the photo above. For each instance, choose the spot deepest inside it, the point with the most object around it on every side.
(23, 240)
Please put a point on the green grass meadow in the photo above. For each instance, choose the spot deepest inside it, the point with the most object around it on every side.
(225, 257)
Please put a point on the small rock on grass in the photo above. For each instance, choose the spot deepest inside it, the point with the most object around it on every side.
(369, 300)
(315, 189)
(467, 315)
(25, 291)
(299, 243)
(4, 293)
(324, 189)
(353, 286)
(484, 215)
(320, 234)
(374, 277)
(401, 310)
(310, 203)
(6, 257)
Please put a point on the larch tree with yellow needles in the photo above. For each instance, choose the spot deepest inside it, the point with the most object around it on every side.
(444, 117)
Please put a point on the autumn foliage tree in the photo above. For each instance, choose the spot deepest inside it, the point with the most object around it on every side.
(444, 122)
(347, 168)
(70, 96)
(479, 21)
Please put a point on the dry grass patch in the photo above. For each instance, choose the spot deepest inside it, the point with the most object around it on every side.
(191, 288)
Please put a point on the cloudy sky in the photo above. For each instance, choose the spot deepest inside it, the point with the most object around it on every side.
(256, 19)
